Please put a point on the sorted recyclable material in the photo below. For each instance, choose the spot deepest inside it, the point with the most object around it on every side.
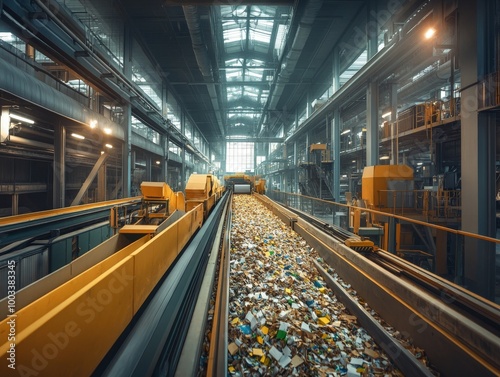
(283, 318)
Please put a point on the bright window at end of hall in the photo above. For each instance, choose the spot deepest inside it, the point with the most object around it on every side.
(239, 157)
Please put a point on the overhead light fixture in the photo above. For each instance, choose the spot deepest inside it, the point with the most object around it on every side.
(386, 115)
(420, 163)
(21, 118)
(346, 131)
(384, 157)
(107, 131)
(353, 160)
(109, 146)
(430, 33)
(157, 162)
(93, 124)
(78, 136)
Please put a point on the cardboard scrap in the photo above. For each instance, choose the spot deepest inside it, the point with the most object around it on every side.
(232, 348)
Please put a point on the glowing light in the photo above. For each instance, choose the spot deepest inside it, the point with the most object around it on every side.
(109, 146)
(21, 118)
(430, 33)
(107, 131)
(93, 124)
(78, 136)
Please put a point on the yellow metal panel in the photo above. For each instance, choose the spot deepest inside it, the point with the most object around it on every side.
(155, 190)
(180, 202)
(191, 204)
(139, 229)
(375, 178)
(197, 187)
(47, 302)
(185, 230)
(317, 147)
(71, 338)
(151, 262)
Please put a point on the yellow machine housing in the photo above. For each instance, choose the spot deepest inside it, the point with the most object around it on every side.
(158, 203)
(202, 189)
(260, 186)
(379, 178)
(240, 183)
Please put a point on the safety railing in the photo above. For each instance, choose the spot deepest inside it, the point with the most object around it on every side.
(449, 253)
(431, 204)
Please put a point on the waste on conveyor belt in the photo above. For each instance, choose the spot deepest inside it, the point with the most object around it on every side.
(283, 319)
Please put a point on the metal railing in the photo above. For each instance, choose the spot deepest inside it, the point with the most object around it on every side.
(439, 249)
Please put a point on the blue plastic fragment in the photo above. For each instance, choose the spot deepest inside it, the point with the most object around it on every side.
(246, 329)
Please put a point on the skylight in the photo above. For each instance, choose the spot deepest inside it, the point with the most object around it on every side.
(251, 34)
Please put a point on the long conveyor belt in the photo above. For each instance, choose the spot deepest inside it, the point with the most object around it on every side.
(151, 344)
(115, 327)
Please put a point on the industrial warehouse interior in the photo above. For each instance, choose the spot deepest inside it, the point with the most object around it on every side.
(264, 188)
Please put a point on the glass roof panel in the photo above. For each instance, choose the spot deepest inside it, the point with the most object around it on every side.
(247, 31)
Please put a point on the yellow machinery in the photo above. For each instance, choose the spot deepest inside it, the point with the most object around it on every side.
(203, 189)
(260, 186)
(158, 203)
(66, 322)
(389, 188)
(323, 150)
(378, 181)
(240, 183)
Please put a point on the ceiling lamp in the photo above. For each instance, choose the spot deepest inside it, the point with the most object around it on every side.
(21, 118)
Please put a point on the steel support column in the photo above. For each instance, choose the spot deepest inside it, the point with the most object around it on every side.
(15, 204)
(164, 162)
(372, 124)
(394, 113)
(296, 167)
(59, 167)
(127, 167)
(478, 148)
(372, 27)
(101, 184)
(336, 154)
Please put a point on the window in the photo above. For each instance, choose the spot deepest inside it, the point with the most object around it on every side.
(239, 157)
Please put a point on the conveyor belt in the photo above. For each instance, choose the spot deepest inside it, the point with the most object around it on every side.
(458, 345)
(477, 308)
(152, 344)
(33, 225)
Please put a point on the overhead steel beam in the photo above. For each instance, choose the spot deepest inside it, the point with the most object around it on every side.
(257, 140)
(228, 2)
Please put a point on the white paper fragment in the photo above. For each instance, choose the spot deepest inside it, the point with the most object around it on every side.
(251, 318)
(284, 361)
(274, 352)
(305, 327)
(287, 351)
(284, 326)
